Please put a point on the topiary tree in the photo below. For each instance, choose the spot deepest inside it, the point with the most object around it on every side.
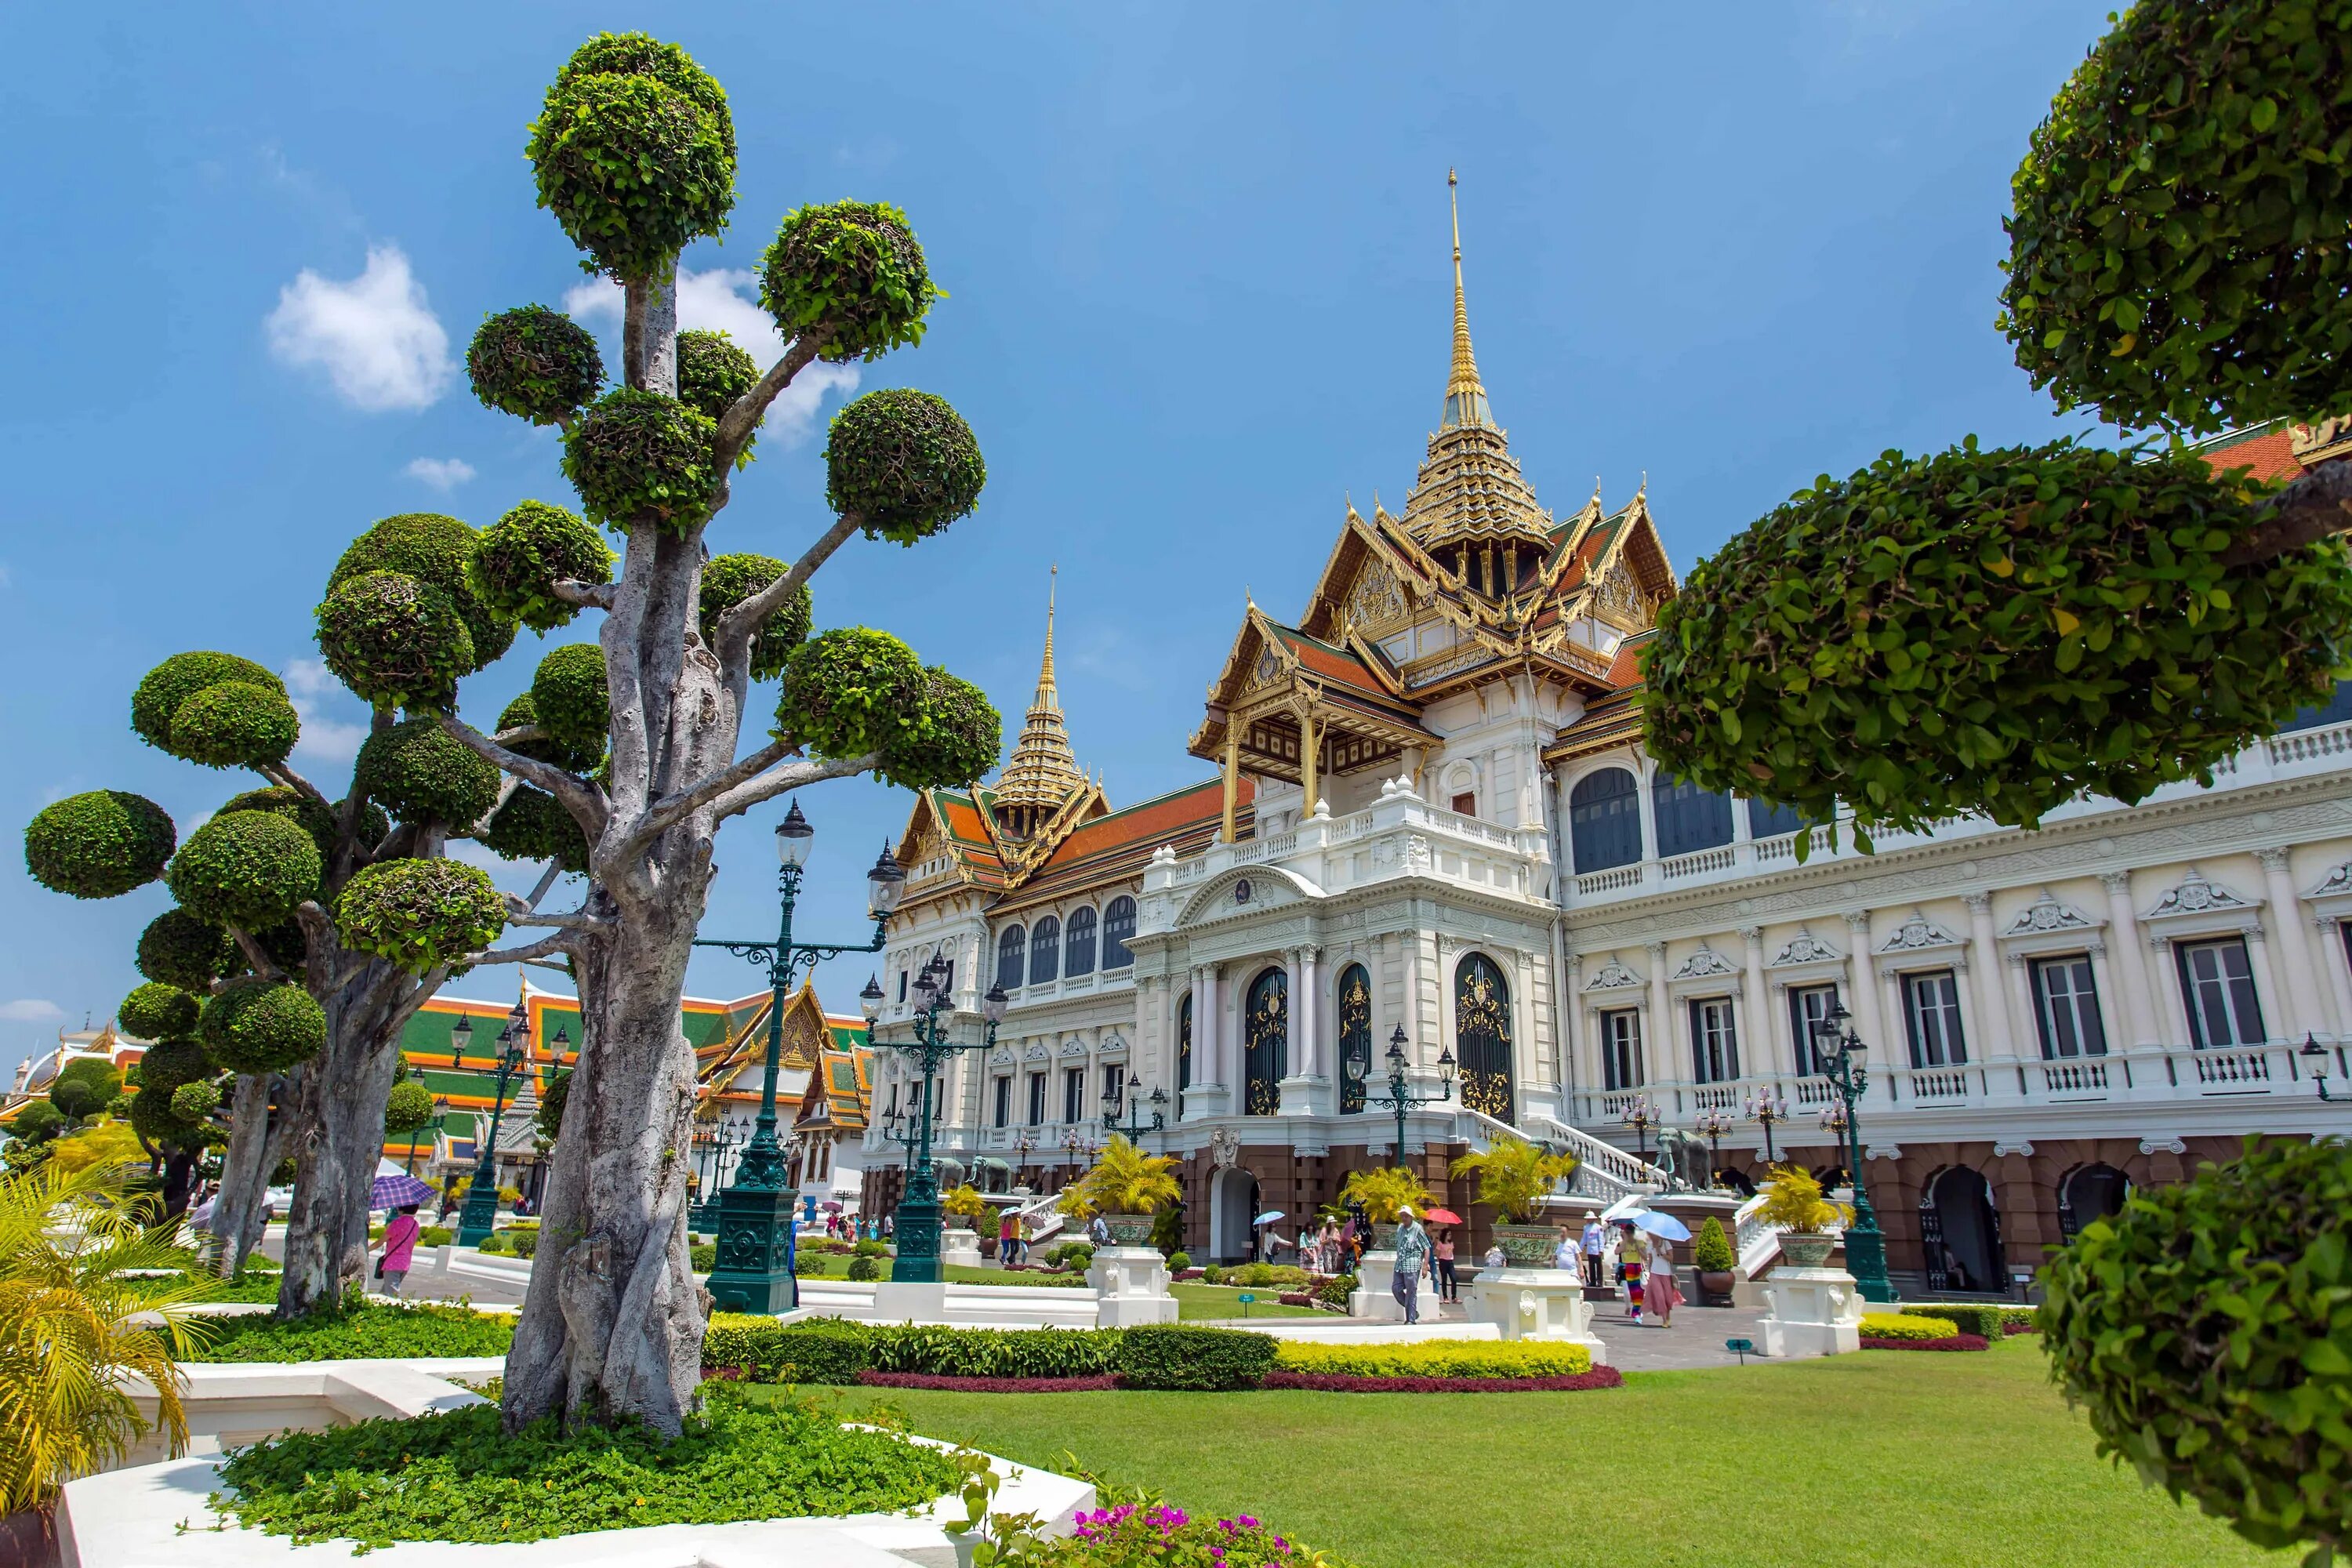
(83, 1086)
(310, 927)
(2000, 631)
(407, 1113)
(634, 153)
(2203, 1330)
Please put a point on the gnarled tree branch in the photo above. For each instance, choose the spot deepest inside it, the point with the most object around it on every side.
(744, 416)
(2309, 510)
(580, 798)
(589, 596)
(736, 627)
(793, 776)
(562, 942)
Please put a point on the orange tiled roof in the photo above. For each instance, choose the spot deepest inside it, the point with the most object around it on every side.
(1116, 847)
(2270, 453)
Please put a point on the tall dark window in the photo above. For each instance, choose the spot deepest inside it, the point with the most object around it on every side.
(1079, 947)
(1689, 818)
(1009, 948)
(902, 986)
(1118, 927)
(1931, 1011)
(1808, 1005)
(1114, 1088)
(1045, 950)
(1036, 1098)
(1766, 820)
(1621, 1048)
(2067, 1007)
(1074, 1094)
(1481, 1035)
(1604, 820)
(2217, 985)
(1004, 1101)
(1354, 993)
(1266, 1043)
(1715, 1041)
(1184, 1044)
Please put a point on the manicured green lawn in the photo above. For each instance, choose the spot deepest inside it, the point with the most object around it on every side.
(1195, 1301)
(1881, 1459)
(837, 1266)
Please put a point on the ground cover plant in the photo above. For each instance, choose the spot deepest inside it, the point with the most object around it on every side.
(376, 1331)
(456, 1476)
(1971, 1458)
(1436, 1358)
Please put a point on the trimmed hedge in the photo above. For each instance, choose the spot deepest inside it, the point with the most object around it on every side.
(1907, 1326)
(375, 1331)
(764, 1350)
(1444, 1359)
(1956, 1343)
(1334, 1382)
(1175, 1357)
(1979, 1318)
(990, 1384)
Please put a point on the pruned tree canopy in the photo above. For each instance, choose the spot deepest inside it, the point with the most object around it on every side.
(519, 559)
(851, 274)
(260, 1026)
(420, 914)
(903, 463)
(99, 844)
(246, 868)
(727, 581)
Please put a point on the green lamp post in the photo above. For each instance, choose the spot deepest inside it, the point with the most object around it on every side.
(1135, 1127)
(754, 1217)
(481, 1213)
(918, 1227)
(1841, 1051)
(1401, 1099)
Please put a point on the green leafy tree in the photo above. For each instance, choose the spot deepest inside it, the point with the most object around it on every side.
(630, 750)
(2003, 630)
(83, 1086)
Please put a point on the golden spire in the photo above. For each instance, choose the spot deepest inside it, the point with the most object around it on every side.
(1043, 771)
(1465, 397)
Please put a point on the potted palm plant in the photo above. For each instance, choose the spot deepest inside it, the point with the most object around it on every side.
(1514, 1176)
(1712, 1256)
(1127, 1187)
(964, 1206)
(1794, 1206)
(1381, 1194)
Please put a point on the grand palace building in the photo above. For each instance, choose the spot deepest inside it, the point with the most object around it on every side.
(1426, 816)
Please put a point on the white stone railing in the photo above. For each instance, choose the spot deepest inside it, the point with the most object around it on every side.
(2310, 745)
(1699, 863)
(1614, 1171)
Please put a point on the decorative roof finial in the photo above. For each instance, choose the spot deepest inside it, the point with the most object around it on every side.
(1042, 771)
(1465, 397)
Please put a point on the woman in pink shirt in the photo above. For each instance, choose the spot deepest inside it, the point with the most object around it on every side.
(399, 1248)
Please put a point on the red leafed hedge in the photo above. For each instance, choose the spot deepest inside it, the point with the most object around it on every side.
(1957, 1342)
(873, 1379)
(1296, 1298)
(2007, 1330)
(1335, 1382)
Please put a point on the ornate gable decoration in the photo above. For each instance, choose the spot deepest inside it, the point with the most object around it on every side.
(1036, 1052)
(1805, 948)
(1074, 1047)
(2046, 915)
(1618, 600)
(2195, 896)
(1610, 976)
(2338, 882)
(1917, 933)
(1376, 602)
(1704, 962)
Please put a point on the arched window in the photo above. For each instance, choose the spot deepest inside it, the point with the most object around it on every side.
(1008, 957)
(1118, 926)
(1078, 948)
(1266, 1025)
(1354, 994)
(1766, 820)
(1045, 950)
(1689, 818)
(1183, 1048)
(1604, 820)
(1481, 1035)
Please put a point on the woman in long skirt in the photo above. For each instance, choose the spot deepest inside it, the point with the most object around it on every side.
(1629, 1267)
(1661, 1292)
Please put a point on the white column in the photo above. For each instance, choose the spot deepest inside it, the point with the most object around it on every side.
(1208, 1028)
(1658, 1037)
(1306, 1015)
(1998, 1039)
(1756, 1052)
(2175, 1011)
(2135, 1009)
(1869, 1021)
(2270, 986)
(2339, 978)
(2291, 939)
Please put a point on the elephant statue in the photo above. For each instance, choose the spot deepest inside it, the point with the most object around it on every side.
(992, 1175)
(1682, 1156)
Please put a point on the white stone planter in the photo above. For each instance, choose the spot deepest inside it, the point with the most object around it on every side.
(1814, 1311)
(1373, 1299)
(959, 1250)
(1545, 1304)
(1130, 1286)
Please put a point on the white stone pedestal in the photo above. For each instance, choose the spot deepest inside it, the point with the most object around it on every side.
(1813, 1312)
(909, 1301)
(1305, 1095)
(1130, 1286)
(1537, 1304)
(1373, 1299)
(960, 1248)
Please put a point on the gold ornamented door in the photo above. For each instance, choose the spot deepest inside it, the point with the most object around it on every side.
(1481, 1032)
(1268, 1043)
(1354, 995)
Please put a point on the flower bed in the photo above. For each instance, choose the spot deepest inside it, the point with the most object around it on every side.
(372, 1333)
(455, 1476)
(1337, 1382)
(1132, 1534)
(871, 1379)
(1951, 1343)
(1444, 1360)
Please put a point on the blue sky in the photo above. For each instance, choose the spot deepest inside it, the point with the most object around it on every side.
(1198, 275)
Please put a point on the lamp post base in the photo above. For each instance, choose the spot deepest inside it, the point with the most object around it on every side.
(1865, 1259)
(917, 1232)
(481, 1215)
(755, 1251)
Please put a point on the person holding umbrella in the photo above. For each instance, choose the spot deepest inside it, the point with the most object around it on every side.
(1658, 1289)
(399, 1249)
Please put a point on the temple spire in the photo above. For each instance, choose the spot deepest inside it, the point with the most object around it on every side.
(1465, 397)
(1044, 770)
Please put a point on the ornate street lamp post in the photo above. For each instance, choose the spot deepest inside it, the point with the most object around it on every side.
(1398, 1098)
(917, 1228)
(1865, 1249)
(1768, 1108)
(1712, 1125)
(481, 1213)
(1641, 1116)
(755, 1212)
(2314, 1059)
(1135, 1127)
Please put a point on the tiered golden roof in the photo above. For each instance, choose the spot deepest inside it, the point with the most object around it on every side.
(1044, 773)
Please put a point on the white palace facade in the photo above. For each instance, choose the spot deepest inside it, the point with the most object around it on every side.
(1431, 812)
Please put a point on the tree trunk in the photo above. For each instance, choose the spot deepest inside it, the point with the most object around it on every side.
(179, 1174)
(611, 1330)
(246, 1168)
(338, 1131)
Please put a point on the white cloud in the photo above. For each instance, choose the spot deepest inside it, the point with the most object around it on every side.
(441, 473)
(30, 1010)
(308, 685)
(719, 300)
(375, 337)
